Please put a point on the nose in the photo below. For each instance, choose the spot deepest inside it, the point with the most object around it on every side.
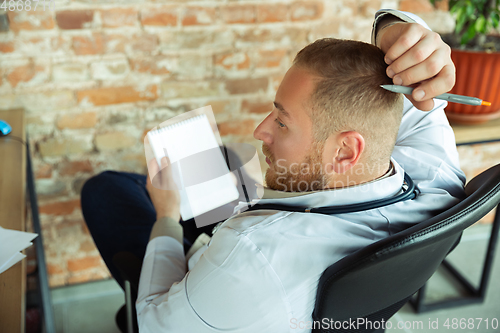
(263, 131)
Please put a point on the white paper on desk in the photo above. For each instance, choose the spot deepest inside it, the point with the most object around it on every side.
(12, 242)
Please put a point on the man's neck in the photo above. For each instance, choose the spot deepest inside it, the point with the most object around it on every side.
(359, 174)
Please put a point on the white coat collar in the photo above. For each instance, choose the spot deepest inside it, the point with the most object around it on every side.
(383, 187)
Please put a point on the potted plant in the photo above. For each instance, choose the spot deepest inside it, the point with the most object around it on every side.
(476, 54)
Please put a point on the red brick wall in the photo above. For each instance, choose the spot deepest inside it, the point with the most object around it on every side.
(94, 76)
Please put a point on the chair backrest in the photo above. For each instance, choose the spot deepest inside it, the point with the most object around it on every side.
(376, 281)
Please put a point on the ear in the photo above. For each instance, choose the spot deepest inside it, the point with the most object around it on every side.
(343, 151)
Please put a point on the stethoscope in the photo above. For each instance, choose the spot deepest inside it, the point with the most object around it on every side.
(410, 192)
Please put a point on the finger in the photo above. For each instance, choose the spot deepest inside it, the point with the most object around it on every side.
(409, 37)
(414, 56)
(153, 168)
(167, 179)
(428, 69)
(440, 84)
(427, 105)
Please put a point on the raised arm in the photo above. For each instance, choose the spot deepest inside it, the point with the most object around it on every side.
(416, 56)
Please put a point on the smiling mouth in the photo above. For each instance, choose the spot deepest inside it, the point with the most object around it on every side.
(268, 161)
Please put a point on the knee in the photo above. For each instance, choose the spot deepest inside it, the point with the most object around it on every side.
(96, 186)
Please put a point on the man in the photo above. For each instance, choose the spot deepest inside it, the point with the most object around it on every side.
(260, 271)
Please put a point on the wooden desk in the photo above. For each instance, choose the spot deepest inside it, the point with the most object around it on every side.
(12, 216)
(472, 134)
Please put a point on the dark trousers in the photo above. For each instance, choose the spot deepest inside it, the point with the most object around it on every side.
(120, 215)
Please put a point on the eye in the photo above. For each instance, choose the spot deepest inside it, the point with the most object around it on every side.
(280, 124)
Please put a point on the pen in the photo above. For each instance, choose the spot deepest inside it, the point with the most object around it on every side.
(447, 97)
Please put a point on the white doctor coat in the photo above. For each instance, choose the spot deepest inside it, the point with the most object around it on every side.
(260, 271)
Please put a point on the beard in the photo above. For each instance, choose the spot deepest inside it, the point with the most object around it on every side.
(305, 176)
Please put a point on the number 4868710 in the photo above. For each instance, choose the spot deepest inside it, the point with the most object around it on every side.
(28, 5)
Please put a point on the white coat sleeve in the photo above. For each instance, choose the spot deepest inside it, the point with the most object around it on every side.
(404, 16)
(425, 145)
(231, 288)
(426, 150)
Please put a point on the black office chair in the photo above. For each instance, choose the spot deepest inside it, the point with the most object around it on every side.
(375, 282)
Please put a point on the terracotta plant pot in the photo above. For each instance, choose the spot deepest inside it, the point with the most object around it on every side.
(478, 75)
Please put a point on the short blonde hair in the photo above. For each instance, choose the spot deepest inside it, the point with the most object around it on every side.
(348, 96)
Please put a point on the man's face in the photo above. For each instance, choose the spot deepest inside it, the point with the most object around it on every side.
(295, 160)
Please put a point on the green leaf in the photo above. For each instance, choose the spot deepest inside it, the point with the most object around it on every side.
(480, 25)
(461, 19)
(470, 9)
(471, 33)
(495, 19)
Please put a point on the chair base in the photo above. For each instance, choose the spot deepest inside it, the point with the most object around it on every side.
(474, 295)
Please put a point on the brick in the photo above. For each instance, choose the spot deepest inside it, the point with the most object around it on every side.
(367, 8)
(28, 74)
(119, 17)
(303, 11)
(238, 14)
(114, 140)
(131, 44)
(442, 5)
(268, 13)
(50, 187)
(7, 47)
(69, 72)
(158, 115)
(34, 46)
(4, 23)
(88, 246)
(63, 147)
(71, 168)
(77, 184)
(84, 45)
(81, 120)
(196, 39)
(256, 107)
(120, 116)
(75, 19)
(190, 89)
(224, 106)
(57, 280)
(70, 231)
(109, 69)
(237, 127)
(54, 269)
(233, 60)
(81, 264)
(117, 95)
(330, 28)
(416, 6)
(353, 8)
(276, 81)
(157, 65)
(43, 171)
(273, 37)
(271, 58)
(194, 66)
(247, 86)
(49, 100)
(96, 274)
(31, 20)
(134, 162)
(60, 207)
(439, 21)
(198, 16)
(163, 16)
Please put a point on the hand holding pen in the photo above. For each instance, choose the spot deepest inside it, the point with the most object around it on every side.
(447, 97)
